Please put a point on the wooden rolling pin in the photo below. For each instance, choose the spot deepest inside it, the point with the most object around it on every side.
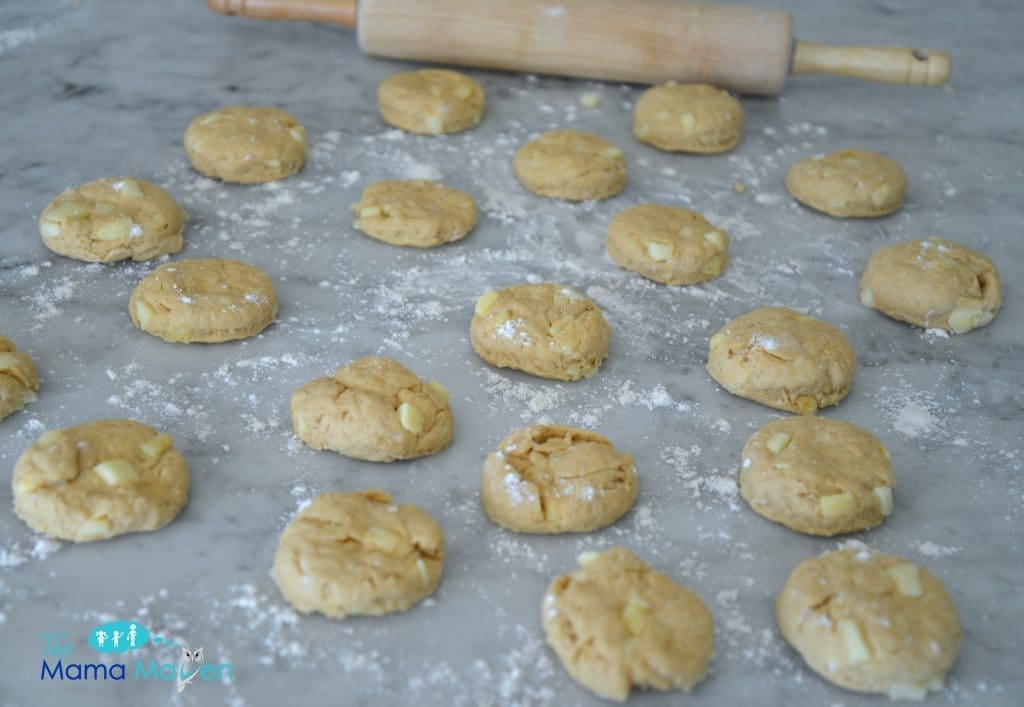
(746, 49)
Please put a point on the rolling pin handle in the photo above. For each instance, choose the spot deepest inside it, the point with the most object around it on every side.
(342, 12)
(903, 65)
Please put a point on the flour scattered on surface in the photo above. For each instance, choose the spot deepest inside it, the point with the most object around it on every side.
(420, 170)
(914, 420)
(930, 549)
(11, 39)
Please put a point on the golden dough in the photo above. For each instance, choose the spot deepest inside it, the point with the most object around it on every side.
(667, 244)
(431, 101)
(19, 379)
(547, 330)
(414, 212)
(849, 184)
(933, 284)
(616, 623)
(246, 144)
(817, 476)
(870, 622)
(374, 409)
(358, 553)
(572, 165)
(113, 219)
(555, 479)
(98, 480)
(688, 118)
(782, 359)
(208, 300)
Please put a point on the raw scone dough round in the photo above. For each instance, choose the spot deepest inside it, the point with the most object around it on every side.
(19, 379)
(431, 101)
(414, 212)
(817, 476)
(113, 219)
(933, 284)
(572, 165)
(616, 623)
(688, 118)
(98, 480)
(870, 622)
(554, 479)
(547, 330)
(667, 244)
(358, 553)
(374, 409)
(782, 359)
(849, 184)
(208, 300)
(246, 144)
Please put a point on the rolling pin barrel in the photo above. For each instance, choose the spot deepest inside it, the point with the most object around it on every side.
(745, 49)
(643, 41)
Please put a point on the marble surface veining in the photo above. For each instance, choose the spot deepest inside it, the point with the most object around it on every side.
(96, 88)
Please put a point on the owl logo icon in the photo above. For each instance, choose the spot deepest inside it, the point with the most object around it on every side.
(191, 660)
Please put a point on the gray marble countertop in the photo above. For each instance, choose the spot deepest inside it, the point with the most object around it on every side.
(102, 88)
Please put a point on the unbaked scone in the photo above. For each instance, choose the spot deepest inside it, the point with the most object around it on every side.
(374, 409)
(667, 244)
(933, 283)
(547, 330)
(358, 553)
(870, 622)
(246, 144)
(113, 219)
(431, 101)
(572, 165)
(817, 476)
(782, 359)
(98, 480)
(849, 184)
(616, 623)
(555, 479)
(692, 117)
(208, 300)
(414, 212)
(19, 379)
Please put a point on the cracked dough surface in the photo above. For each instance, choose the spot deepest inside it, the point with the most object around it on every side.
(374, 409)
(414, 212)
(667, 244)
(572, 165)
(870, 622)
(616, 623)
(358, 553)
(19, 379)
(789, 467)
(932, 283)
(688, 118)
(246, 144)
(782, 359)
(555, 479)
(208, 300)
(547, 330)
(113, 219)
(431, 101)
(849, 184)
(59, 491)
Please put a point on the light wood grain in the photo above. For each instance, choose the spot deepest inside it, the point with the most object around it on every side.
(342, 12)
(644, 41)
(918, 67)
